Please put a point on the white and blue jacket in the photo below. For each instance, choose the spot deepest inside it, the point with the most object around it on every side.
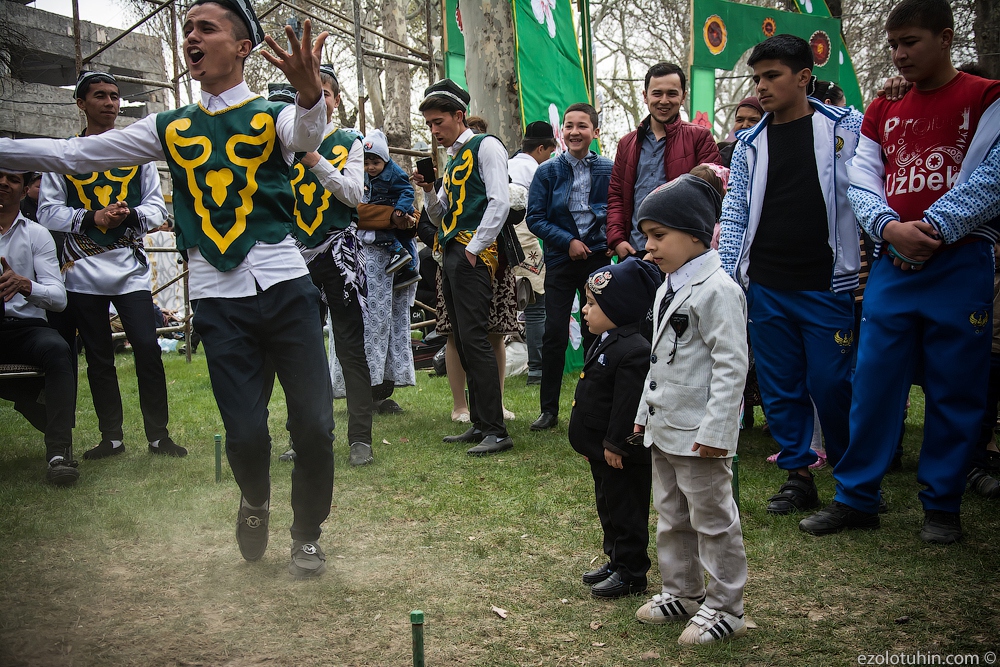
(836, 131)
(962, 211)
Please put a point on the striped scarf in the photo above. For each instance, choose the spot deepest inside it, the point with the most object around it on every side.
(348, 255)
(80, 246)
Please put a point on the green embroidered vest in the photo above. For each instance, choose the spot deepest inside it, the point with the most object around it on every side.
(466, 192)
(100, 189)
(317, 211)
(231, 185)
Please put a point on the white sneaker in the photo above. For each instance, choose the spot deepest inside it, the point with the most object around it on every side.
(667, 608)
(709, 626)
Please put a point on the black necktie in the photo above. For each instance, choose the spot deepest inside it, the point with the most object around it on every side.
(668, 296)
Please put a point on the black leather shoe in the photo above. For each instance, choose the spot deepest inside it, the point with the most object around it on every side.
(491, 445)
(251, 531)
(796, 495)
(167, 447)
(598, 575)
(835, 517)
(545, 421)
(615, 587)
(472, 435)
(941, 527)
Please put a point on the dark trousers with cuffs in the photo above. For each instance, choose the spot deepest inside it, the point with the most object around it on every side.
(243, 337)
(623, 508)
(32, 341)
(135, 310)
(468, 292)
(349, 343)
(562, 282)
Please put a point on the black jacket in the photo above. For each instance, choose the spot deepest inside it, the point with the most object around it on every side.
(608, 395)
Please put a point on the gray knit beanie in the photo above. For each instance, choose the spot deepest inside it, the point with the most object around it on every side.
(687, 203)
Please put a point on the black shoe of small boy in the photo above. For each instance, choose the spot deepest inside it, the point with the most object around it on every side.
(796, 495)
(404, 278)
(398, 260)
(616, 587)
(835, 517)
(598, 575)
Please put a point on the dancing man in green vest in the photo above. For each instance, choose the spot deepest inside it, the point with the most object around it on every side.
(469, 209)
(328, 186)
(229, 159)
(101, 219)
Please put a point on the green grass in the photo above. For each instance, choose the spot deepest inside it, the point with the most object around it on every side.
(138, 565)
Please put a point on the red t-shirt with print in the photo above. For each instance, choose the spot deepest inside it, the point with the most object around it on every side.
(924, 138)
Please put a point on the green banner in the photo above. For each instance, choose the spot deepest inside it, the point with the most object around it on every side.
(550, 69)
(454, 43)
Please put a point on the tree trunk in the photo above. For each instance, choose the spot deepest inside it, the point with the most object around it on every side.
(988, 36)
(397, 81)
(490, 70)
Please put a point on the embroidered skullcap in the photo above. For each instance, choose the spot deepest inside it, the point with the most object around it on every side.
(328, 70)
(280, 92)
(448, 89)
(87, 78)
(245, 11)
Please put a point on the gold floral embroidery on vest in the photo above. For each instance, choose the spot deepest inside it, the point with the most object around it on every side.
(218, 181)
(305, 194)
(103, 193)
(457, 175)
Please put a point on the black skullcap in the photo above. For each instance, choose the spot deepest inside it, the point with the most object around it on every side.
(448, 89)
(539, 130)
(280, 92)
(87, 78)
(625, 290)
(328, 70)
(245, 11)
(687, 203)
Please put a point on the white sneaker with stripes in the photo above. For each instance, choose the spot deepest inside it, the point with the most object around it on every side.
(710, 625)
(667, 608)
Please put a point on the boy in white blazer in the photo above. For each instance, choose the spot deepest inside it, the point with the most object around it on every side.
(689, 413)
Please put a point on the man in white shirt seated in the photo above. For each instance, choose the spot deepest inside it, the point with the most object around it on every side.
(29, 285)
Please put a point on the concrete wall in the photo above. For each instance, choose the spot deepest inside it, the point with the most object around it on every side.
(39, 107)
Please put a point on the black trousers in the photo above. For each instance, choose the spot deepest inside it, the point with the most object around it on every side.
(562, 282)
(243, 337)
(349, 343)
(34, 342)
(623, 507)
(468, 292)
(135, 309)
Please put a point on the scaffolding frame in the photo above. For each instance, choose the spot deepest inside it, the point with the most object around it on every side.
(419, 58)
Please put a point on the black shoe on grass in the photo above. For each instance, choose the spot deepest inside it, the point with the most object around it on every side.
(941, 527)
(983, 484)
(62, 472)
(167, 447)
(103, 450)
(795, 495)
(836, 517)
(251, 531)
(308, 560)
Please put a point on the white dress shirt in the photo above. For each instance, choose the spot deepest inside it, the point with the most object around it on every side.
(266, 264)
(112, 272)
(522, 168)
(30, 252)
(683, 275)
(493, 171)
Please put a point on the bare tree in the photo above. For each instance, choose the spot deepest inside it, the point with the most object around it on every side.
(988, 36)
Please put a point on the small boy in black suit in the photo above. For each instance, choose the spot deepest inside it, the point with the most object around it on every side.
(607, 397)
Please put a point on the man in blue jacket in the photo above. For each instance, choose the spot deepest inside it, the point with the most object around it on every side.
(568, 211)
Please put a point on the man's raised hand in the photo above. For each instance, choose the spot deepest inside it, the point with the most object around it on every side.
(301, 66)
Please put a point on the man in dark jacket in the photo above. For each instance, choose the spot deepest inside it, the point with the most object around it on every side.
(662, 148)
(567, 210)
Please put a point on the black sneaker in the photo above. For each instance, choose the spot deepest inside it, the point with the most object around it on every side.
(398, 260)
(405, 278)
(941, 527)
(983, 484)
(835, 517)
(389, 407)
(62, 472)
(103, 450)
(167, 447)
(361, 454)
(796, 495)
(308, 560)
(251, 531)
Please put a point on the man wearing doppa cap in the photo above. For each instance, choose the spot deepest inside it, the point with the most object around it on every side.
(229, 159)
(469, 209)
